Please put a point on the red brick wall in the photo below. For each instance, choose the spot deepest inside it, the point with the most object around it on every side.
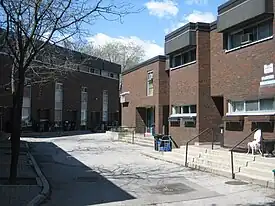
(236, 75)
(183, 91)
(135, 82)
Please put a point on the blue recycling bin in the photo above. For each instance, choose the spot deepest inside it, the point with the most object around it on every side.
(165, 144)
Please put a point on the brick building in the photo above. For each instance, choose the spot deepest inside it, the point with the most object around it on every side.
(242, 75)
(220, 75)
(85, 98)
(145, 96)
(188, 60)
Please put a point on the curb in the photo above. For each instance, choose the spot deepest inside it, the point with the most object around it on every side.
(45, 185)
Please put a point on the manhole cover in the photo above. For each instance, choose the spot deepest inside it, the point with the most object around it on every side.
(236, 183)
(169, 189)
(89, 179)
(19, 181)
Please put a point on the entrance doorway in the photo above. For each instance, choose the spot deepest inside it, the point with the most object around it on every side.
(150, 120)
(219, 103)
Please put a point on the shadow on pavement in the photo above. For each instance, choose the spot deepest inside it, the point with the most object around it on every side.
(72, 182)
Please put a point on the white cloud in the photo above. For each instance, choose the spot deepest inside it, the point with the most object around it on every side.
(198, 2)
(164, 8)
(195, 16)
(150, 47)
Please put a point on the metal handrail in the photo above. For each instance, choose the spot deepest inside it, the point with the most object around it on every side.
(187, 143)
(232, 150)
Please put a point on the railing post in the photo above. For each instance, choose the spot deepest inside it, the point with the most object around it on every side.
(232, 165)
(186, 152)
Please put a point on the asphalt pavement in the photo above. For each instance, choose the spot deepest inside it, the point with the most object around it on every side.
(93, 170)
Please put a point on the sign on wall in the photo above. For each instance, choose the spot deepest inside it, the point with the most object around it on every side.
(268, 79)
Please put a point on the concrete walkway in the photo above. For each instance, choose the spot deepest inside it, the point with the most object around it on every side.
(93, 170)
(27, 187)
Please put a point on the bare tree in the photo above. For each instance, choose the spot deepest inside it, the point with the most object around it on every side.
(126, 54)
(31, 30)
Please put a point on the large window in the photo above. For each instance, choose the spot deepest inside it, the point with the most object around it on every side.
(150, 86)
(84, 104)
(249, 34)
(26, 107)
(253, 106)
(187, 109)
(58, 103)
(183, 58)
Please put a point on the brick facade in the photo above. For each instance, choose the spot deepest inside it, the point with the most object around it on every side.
(218, 75)
(134, 81)
(43, 98)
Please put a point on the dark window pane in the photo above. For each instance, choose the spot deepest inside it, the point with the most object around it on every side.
(264, 30)
(185, 109)
(193, 55)
(236, 40)
(266, 104)
(251, 106)
(177, 60)
(186, 57)
(193, 109)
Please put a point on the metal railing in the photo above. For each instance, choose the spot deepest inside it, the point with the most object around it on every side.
(232, 150)
(203, 132)
(122, 129)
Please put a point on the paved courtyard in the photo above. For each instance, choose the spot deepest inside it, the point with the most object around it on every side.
(92, 169)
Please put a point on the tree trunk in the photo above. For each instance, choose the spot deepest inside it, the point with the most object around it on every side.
(16, 125)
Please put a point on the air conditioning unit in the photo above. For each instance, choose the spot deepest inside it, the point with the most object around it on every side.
(246, 38)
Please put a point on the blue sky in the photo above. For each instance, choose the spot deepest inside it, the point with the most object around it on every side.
(158, 18)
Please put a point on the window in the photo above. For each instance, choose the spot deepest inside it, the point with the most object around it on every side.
(58, 102)
(26, 107)
(84, 105)
(183, 58)
(150, 87)
(249, 34)
(262, 105)
(187, 109)
(94, 71)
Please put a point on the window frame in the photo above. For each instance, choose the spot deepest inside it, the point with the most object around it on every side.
(251, 26)
(150, 84)
(182, 54)
(181, 109)
(250, 112)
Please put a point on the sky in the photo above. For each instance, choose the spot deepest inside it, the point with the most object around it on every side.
(149, 27)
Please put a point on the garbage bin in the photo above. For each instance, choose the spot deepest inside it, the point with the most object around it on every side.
(157, 138)
(165, 144)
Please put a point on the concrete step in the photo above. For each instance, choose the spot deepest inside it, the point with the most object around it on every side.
(263, 165)
(226, 154)
(254, 179)
(207, 168)
(217, 164)
(226, 159)
(257, 171)
(167, 157)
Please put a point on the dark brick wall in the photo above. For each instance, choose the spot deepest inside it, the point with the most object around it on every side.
(43, 97)
(135, 83)
(236, 75)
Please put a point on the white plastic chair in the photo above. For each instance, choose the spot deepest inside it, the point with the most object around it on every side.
(256, 143)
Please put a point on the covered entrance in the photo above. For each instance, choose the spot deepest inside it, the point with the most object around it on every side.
(150, 121)
(145, 120)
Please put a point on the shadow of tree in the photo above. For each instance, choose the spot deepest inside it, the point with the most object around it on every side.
(71, 181)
